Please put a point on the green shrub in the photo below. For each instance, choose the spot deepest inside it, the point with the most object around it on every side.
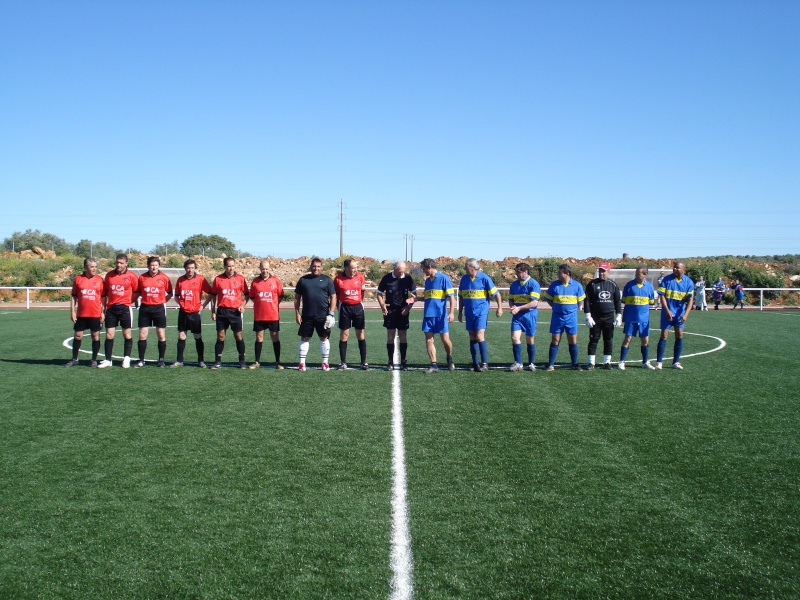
(546, 270)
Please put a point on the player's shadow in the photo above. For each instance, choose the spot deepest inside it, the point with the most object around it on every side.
(60, 362)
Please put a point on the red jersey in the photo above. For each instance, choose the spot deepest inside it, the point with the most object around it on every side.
(154, 290)
(266, 296)
(89, 292)
(349, 290)
(189, 292)
(229, 290)
(121, 287)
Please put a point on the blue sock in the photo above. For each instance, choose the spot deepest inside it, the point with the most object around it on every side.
(473, 350)
(517, 353)
(623, 353)
(531, 353)
(482, 346)
(662, 345)
(573, 353)
(645, 353)
(678, 350)
(553, 352)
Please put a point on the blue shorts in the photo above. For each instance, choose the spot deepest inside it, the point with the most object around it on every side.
(633, 329)
(476, 320)
(436, 324)
(560, 323)
(524, 322)
(675, 322)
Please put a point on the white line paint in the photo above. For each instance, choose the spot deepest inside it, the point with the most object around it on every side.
(402, 586)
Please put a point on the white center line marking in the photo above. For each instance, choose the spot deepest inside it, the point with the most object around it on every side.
(401, 560)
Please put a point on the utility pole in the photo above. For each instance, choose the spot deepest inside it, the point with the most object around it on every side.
(409, 238)
(341, 227)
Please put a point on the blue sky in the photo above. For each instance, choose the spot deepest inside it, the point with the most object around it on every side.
(486, 129)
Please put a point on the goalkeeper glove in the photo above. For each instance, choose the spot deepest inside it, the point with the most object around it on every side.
(618, 320)
(329, 322)
(589, 320)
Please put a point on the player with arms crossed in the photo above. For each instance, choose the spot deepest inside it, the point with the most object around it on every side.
(189, 290)
(564, 295)
(229, 296)
(638, 296)
(121, 291)
(475, 289)
(349, 286)
(155, 290)
(314, 302)
(438, 313)
(523, 302)
(676, 293)
(266, 292)
(397, 293)
(87, 309)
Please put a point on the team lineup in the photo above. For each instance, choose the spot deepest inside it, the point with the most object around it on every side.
(96, 302)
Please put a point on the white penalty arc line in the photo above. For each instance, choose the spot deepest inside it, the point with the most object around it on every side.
(721, 345)
(402, 587)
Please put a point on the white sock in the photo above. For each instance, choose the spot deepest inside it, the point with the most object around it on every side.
(325, 350)
(591, 359)
(606, 359)
(302, 348)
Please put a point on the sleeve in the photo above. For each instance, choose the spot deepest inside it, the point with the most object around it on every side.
(617, 298)
(206, 287)
(280, 288)
(214, 287)
(382, 285)
(75, 289)
(168, 287)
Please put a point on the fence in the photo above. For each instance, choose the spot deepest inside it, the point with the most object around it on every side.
(61, 304)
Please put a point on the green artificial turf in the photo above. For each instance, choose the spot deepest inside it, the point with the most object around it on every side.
(195, 483)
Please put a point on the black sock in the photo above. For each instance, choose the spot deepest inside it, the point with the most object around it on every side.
(127, 346)
(343, 351)
(276, 346)
(181, 348)
(218, 348)
(109, 349)
(95, 348)
(76, 346)
(362, 350)
(142, 347)
(240, 348)
(162, 349)
(403, 350)
(259, 346)
(390, 351)
(201, 349)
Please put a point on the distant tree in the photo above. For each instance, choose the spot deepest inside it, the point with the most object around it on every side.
(19, 241)
(86, 248)
(172, 247)
(210, 245)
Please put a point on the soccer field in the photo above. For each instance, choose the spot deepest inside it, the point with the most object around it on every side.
(240, 484)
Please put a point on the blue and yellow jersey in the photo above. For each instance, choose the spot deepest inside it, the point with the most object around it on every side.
(564, 298)
(437, 290)
(522, 292)
(637, 300)
(678, 292)
(476, 292)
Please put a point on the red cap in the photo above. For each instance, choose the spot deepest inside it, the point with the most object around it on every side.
(605, 266)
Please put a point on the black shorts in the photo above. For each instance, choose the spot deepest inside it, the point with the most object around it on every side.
(190, 321)
(119, 314)
(229, 317)
(90, 323)
(262, 325)
(351, 315)
(395, 319)
(310, 324)
(153, 315)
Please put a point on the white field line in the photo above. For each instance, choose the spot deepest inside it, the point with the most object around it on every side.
(402, 586)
